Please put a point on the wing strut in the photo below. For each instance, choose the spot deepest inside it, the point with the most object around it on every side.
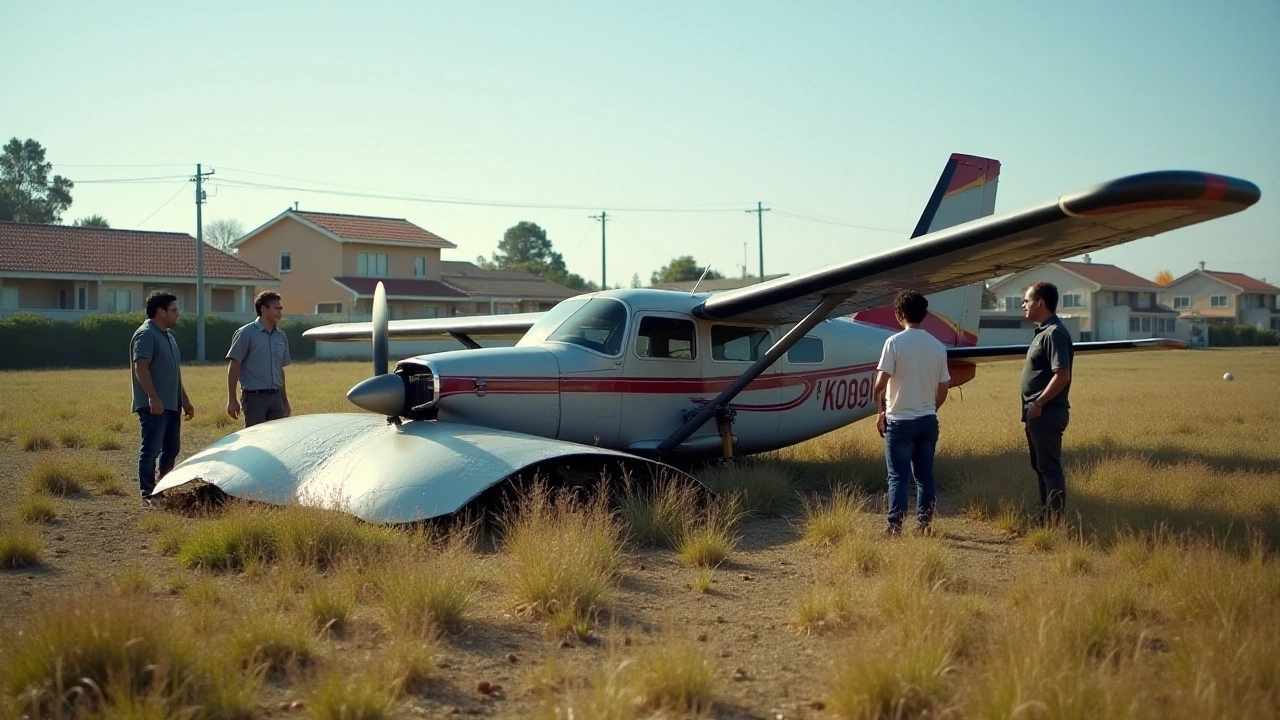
(465, 339)
(793, 336)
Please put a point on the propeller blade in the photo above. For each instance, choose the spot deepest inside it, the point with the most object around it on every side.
(381, 343)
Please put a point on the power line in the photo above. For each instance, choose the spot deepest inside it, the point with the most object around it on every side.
(826, 221)
(156, 178)
(181, 187)
(92, 165)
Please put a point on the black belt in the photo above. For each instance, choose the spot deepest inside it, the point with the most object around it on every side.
(262, 392)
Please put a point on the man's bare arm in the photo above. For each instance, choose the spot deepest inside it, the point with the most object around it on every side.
(142, 371)
(940, 394)
(233, 378)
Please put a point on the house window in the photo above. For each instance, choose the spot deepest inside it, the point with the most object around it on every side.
(1166, 325)
(1146, 324)
(1181, 302)
(9, 298)
(1134, 326)
(119, 301)
(286, 262)
(660, 337)
(1012, 302)
(1218, 301)
(82, 298)
(371, 264)
(1073, 300)
(807, 350)
(740, 344)
(430, 311)
(420, 266)
(329, 308)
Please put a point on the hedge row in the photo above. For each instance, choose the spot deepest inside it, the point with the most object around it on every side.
(1241, 335)
(28, 340)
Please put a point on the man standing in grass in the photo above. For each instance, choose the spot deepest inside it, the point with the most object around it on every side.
(910, 387)
(158, 392)
(1046, 380)
(259, 351)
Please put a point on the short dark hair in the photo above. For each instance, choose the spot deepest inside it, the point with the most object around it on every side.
(911, 305)
(158, 301)
(1048, 292)
(264, 298)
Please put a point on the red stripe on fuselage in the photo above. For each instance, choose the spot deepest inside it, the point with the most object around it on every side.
(651, 386)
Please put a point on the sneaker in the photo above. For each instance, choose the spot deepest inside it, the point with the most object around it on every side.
(148, 502)
(893, 531)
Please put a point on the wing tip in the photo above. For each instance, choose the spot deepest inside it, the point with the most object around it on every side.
(1194, 190)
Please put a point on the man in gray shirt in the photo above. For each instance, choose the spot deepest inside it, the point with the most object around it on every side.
(259, 351)
(158, 393)
(1046, 380)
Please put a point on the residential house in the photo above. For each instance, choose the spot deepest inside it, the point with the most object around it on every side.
(1227, 298)
(65, 272)
(330, 264)
(495, 292)
(1108, 302)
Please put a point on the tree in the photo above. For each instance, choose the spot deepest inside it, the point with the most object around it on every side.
(681, 269)
(93, 221)
(1163, 278)
(26, 192)
(989, 300)
(526, 247)
(221, 233)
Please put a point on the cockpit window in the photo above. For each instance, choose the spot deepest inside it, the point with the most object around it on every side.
(662, 337)
(599, 324)
(551, 320)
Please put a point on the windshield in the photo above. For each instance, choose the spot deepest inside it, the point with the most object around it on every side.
(598, 324)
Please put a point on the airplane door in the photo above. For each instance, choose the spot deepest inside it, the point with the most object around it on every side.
(590, 349)
(663, 377)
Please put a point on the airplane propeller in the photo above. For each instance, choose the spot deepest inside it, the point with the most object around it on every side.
(384, 393)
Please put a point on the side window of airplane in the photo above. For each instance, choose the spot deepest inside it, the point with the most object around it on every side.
(740, 344)
(807, 350)
(599, 325)
(663, 337)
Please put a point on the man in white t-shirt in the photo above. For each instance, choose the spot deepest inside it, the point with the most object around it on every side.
(910, 387)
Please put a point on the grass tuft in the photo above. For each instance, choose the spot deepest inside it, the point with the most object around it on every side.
(360, 696)
(562, 553)
(674, 675)
(432, 587)
(656, 514)
(761, 489)
(710, 540)
(34, 439)
(37, 509)
(19, 549)
(831, 520)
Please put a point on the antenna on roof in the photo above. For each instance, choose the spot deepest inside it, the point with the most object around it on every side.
(705, 270)
(295, 206)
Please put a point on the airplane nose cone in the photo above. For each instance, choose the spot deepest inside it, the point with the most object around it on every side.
(381, 394)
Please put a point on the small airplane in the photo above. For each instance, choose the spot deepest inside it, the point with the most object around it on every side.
(644, 376)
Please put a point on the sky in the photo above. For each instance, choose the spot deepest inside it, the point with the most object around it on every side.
(674, 118)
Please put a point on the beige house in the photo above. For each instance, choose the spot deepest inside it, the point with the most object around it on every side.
(1108, 302)
(1222, 297)
(66, 272)
(330, 264)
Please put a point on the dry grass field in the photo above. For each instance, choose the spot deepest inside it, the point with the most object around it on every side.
(1161, 598)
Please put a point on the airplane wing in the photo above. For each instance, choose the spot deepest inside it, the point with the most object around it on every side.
(1105, 215)
(380, 472)
(429, 328)
(991, 353)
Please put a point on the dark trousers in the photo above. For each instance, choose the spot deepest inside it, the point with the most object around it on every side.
(261, 407)
(1044, 441)
(161, 440)
(909, 446)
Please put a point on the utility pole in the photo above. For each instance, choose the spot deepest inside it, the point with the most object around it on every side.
(199, 178)
(760, 211)
(603, 217)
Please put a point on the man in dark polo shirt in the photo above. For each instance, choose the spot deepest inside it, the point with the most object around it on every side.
(259, 351)
(158, 393)
(1046, 380)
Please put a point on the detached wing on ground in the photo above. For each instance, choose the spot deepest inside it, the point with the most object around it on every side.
(1109, 214)
(379, 472)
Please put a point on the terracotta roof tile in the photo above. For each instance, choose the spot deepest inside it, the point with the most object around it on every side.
(362, 227)
(31, 247)
(1109, 275)
(1242, 281)
(400, 287)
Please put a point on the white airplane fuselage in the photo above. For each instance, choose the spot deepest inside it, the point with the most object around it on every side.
(624, 369)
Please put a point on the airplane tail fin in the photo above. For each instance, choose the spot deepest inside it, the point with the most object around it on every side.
(966, 191)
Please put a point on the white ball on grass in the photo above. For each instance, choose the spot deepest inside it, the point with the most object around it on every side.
(1228, 376)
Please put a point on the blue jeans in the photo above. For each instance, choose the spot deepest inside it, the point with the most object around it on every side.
(161, 439)
(908, 449)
